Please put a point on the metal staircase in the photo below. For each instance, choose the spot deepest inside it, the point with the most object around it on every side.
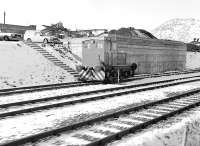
(53, 59)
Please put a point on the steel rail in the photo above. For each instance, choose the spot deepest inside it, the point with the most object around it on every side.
(137, 77)
(20, 90)
(143, 125)
(98, 97)
(54, 132)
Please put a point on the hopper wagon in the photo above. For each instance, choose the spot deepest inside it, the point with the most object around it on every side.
(115, 57)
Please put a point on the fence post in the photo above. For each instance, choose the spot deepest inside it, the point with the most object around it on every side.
(185, 136)
(118, 75)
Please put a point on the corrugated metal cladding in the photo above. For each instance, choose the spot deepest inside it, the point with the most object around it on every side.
(150, 55)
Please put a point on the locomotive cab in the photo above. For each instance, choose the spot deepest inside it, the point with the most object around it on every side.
(103, 55)
(92, 53)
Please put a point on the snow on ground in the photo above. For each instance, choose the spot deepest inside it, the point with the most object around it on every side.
(14, 108)
(22, 66)
(52, 93)
(23, 125)
(57, 92)
(192, 60)
(182, 130)
(146, 80)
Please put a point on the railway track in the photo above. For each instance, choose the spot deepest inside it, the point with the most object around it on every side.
(108, 127)
(142, 76)
(28, 89)
(30, 106)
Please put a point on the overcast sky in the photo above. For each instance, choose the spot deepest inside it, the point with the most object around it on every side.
(88, 14)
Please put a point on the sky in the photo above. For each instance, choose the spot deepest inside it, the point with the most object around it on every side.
(99, 14)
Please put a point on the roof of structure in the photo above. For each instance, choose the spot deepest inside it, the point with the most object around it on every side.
(132, 32)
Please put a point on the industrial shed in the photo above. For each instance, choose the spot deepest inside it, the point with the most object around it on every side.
(10, 28)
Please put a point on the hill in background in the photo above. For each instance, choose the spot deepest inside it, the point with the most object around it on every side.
(178, 29)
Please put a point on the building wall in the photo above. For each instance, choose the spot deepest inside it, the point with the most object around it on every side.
(16, 28)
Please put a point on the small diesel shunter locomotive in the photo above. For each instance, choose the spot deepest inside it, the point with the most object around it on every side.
(115, 57)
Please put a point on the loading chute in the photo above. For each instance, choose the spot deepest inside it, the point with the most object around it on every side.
(58, 28)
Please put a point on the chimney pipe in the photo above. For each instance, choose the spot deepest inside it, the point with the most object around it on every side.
(4, 14)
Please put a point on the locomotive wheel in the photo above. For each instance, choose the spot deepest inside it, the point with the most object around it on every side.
(126, 74)
(110, 76)
(29, 40)
(134, 66)
(5, 38)
(107, 77)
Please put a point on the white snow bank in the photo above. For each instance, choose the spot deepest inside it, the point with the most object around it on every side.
(192, 60)
(22, 66)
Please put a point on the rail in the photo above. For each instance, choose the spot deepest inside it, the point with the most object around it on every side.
(174, 105)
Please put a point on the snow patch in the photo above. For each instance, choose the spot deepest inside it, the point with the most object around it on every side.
(192, 60)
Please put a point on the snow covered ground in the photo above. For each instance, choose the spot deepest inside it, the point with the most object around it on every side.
(67, 99)
(22, 66)
(182, 130)
(171, 132)
(23, 125)
(57, 92)
(52, 93)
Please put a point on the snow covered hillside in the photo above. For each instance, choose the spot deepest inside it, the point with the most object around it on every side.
(178, 29)
(20, 65)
